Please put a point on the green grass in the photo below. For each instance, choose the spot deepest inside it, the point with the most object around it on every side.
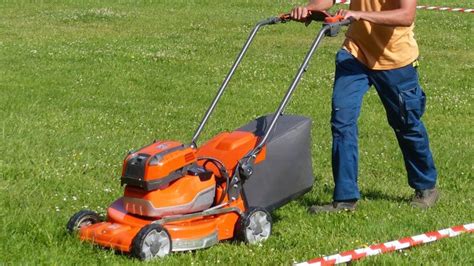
(82, 82)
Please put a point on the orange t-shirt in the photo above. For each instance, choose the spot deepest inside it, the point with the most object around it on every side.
(380, 47)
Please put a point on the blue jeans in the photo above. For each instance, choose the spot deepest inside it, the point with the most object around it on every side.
(404, 102)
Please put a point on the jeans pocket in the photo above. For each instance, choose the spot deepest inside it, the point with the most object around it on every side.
(412, 102)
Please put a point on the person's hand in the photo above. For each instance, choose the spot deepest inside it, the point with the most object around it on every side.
(300, 13)
(349, 14)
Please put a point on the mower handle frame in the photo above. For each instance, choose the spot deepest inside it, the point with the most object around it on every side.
(243, 51)
(330, 28)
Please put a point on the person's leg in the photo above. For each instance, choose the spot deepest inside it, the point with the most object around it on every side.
(350, 84)
(404, 102)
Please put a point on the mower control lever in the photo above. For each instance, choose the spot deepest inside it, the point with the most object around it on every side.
(317, 15)
(334, 24)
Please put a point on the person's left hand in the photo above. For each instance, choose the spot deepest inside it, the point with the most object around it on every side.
(349, 14)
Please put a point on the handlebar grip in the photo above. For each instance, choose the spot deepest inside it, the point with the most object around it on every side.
(319, 16)
(334, 19)
(345, 22)
(316, 15)
(285, 16)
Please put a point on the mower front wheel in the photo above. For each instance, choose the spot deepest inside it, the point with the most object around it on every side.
(152, 241)
(255, 226)
(80, 219)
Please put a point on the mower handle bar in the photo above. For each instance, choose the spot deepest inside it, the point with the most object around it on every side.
(291, 89)
(330, 23)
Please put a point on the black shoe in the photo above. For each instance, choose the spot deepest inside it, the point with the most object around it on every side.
(425, 198)
(335, 206)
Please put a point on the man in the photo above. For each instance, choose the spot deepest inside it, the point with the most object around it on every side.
(379, 50)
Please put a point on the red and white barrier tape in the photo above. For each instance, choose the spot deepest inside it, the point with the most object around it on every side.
(343, 2)
(443, 8)
(438, 8)
(356, 254)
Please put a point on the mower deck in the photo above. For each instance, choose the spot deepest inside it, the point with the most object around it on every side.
(187, 233)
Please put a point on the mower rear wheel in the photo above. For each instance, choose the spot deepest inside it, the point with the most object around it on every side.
(152, 241)
(82, 218)
(256, 225)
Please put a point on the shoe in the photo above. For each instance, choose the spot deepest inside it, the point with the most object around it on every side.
(335, 206)
(425, 198)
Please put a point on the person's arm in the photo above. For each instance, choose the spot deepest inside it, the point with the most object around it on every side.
(320, 4)
(402, 16)
(300, 13)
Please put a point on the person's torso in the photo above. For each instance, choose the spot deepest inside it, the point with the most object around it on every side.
(377, 46)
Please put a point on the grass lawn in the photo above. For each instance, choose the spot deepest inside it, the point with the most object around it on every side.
(83, 82)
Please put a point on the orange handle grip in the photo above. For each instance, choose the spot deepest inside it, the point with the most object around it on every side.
(285, 16)
(334, 19)
(318, 15)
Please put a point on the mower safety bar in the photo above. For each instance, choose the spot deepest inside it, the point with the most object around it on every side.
(316, 15)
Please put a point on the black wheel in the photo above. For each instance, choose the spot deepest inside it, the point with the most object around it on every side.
(82, 218)
(255, 226)
(152, 241)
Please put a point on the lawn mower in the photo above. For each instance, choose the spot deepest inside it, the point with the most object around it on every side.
(183, 197)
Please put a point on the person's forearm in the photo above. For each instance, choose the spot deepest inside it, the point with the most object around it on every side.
(402, 16)
(397, 17)
(320, 4)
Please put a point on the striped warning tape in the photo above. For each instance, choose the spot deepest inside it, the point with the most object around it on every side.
(442, 8)
(342, 1)
(439, 8)
(356, 254)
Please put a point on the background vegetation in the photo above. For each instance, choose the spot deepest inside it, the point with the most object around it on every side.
(82, 82)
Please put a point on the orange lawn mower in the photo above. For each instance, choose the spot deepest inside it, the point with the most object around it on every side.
(184, 197)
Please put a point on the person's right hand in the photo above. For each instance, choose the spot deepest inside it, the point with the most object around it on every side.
(300, 13)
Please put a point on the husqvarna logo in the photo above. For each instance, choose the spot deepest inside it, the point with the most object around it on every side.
(162, 146)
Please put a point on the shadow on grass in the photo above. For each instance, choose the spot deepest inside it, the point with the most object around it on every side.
(311, 198)
(276, 217)
(368, 194)
(378, 195)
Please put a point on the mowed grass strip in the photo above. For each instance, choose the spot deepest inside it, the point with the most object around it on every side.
(83, 82)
